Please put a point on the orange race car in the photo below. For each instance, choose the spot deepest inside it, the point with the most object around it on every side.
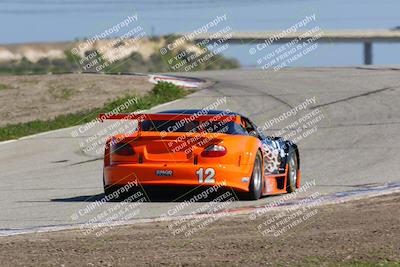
(200, 148)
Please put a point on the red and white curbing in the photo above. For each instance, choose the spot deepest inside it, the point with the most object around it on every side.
(178, 81)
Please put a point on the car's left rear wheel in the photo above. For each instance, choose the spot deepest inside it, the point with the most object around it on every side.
(112, 192)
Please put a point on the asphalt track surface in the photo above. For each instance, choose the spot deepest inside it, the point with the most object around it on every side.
(46, 179)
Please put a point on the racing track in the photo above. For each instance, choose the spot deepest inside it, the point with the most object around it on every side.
(45, 179)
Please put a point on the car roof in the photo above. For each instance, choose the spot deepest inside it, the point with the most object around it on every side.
(194, 111)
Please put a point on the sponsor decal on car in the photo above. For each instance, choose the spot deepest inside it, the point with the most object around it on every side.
(164, 172)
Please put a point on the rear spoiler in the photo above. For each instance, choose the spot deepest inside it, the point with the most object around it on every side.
(167, 117)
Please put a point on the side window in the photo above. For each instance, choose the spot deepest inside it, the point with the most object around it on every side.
(249, 127)
(239, 129)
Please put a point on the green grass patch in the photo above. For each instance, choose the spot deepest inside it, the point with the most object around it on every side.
(161, 93)
(4, 86)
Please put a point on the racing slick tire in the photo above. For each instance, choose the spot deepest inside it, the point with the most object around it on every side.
(255, 186)
(293, 170)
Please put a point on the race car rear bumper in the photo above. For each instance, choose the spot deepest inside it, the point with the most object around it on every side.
(158, 174)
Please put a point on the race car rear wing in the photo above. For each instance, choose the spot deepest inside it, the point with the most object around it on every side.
(169, 117)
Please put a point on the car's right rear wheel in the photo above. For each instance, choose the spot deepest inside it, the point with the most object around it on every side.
(292, 175)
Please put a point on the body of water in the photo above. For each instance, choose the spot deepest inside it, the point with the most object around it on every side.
(62, 20)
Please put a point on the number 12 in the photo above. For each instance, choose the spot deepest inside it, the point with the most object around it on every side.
(209, 175)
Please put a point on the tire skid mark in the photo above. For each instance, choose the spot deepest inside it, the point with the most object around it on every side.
(355, 96)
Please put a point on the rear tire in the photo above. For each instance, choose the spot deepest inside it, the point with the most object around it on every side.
(255, 185)
(293, 168)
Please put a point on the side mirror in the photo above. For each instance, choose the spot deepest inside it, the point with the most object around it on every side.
(252, 132)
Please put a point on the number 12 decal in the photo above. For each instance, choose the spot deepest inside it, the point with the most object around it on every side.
(209, 175)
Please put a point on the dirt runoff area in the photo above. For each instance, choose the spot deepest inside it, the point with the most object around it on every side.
(42, 97)
(359, 233)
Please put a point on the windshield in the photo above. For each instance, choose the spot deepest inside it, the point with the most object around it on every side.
(194, 126)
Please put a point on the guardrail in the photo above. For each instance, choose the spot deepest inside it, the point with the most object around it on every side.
(366, 37)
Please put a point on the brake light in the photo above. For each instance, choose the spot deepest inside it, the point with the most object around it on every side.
(214, 151)
(122, 149)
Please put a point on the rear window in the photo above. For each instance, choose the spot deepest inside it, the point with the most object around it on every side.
(194, 126)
